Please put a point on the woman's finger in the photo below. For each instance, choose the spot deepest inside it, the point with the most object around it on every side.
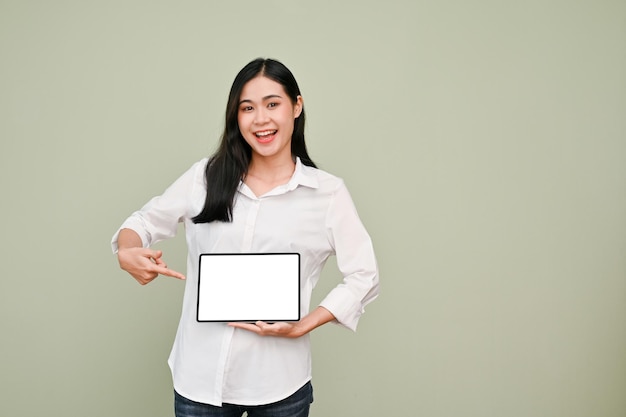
(163, 270)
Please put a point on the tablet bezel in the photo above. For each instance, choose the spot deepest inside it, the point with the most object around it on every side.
(208, 317)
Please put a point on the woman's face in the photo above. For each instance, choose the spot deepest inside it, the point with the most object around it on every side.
(266, 117)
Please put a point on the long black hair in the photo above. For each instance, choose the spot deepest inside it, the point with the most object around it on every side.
(229, 165)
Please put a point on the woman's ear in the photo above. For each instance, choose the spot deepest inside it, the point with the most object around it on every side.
(297, 108)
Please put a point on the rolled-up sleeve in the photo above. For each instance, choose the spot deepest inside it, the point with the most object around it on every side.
(355, 259)
(158, 219)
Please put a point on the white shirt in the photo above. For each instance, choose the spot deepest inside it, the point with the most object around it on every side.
(313, 215)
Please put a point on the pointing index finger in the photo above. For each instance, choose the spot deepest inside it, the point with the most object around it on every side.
(169, 272)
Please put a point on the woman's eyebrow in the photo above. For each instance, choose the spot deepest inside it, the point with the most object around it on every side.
(271, 96)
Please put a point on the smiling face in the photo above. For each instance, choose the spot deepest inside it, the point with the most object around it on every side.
(266, 117)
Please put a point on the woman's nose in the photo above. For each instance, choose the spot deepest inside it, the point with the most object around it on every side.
(261, 116)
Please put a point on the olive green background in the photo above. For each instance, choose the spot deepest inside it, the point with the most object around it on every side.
(484, 143)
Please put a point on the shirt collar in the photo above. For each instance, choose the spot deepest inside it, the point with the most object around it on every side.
(302, 175)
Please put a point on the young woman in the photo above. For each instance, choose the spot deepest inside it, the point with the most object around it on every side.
(259, 193)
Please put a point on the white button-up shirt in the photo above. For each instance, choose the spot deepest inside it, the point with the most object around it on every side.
(313, 215)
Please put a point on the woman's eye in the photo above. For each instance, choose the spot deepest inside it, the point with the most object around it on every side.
(272, 105)
(246, 108)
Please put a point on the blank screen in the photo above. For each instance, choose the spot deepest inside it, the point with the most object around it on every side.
(249, 287)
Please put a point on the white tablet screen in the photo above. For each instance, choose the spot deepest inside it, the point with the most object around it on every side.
(249, 287)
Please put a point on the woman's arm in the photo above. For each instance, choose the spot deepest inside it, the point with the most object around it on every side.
(157, 220)
(141, 263)
(355, 259)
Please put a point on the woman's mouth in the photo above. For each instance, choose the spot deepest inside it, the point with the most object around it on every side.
(265, 136)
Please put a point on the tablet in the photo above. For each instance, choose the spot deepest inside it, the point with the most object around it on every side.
(249, 287)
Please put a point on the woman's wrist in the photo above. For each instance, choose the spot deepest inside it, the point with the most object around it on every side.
(313, 320)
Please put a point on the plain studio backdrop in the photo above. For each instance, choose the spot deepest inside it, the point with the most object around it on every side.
(483, 142)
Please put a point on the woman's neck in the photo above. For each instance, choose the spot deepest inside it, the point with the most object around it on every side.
(265, 175)
(271, 169)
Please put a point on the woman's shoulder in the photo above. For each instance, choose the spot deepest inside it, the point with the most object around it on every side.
(201, 163)
(325, 179)
(198, 167)
(194, 173)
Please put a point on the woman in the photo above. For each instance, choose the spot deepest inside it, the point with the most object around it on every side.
(259, 193)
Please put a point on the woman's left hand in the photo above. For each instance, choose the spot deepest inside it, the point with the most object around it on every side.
(280, 329)
(309, 322)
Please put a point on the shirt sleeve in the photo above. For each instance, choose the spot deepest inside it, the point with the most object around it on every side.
(159, 218)
(355, 259)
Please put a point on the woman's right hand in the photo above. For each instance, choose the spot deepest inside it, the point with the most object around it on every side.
(145, 264)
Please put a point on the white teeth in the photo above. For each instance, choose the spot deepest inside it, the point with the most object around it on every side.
(265, 133)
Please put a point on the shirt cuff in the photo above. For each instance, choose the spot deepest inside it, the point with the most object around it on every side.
(137, 226)
(344, 306)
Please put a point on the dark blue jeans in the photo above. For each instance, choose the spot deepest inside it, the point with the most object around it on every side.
(296, 405)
